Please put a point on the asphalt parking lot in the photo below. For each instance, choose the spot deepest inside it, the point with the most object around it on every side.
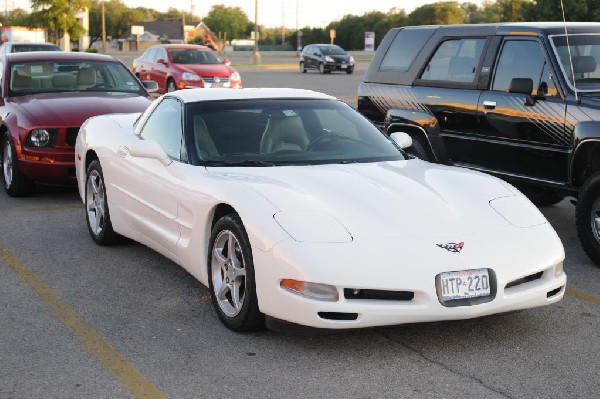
(83, 321)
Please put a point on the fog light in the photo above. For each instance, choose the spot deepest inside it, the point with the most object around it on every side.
(322, 292)
(39, 137)
(558, 269)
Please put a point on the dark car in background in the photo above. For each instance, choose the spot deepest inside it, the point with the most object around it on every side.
(517, 100)
(44, 99)
(185, 66)
(21, 47)
(326, 58)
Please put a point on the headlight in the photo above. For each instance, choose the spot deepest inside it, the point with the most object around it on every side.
(312, 226)
(558, 270)
(39, 138)
(351, 60)
(235, 76)
(321, 292)
(329, 59)
(190, 76)
(518, 211)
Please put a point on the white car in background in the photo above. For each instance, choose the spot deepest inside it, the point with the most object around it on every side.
(290, 205)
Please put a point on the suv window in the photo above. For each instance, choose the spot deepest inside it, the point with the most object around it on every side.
(523, 59)
(404, 49)
(455, 61)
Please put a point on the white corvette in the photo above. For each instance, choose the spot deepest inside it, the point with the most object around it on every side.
(291, 206)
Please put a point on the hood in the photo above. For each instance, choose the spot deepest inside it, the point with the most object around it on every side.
(387, 199)
(72, 109)
(207, 69)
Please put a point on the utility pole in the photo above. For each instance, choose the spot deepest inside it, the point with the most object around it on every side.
(103, 29)
(282, 22)
(256, 52)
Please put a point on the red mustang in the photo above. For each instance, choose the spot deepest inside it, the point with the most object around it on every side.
(45, 97)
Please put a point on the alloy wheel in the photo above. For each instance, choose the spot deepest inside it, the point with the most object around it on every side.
(228, 273)
(95, 202)
(595, 219)
(7, 163)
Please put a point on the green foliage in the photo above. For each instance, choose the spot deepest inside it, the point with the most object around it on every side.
(59, 16)
(230, 20)
(91, 50)
(443, 13)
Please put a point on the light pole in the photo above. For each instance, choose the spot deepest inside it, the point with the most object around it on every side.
(256, 52)
(103, 29)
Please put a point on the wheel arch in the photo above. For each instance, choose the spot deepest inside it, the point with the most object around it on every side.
(585, 161)
(416, 133)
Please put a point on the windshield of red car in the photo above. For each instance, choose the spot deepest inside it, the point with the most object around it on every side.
(283, 132)
(26, 78)
(192, 56)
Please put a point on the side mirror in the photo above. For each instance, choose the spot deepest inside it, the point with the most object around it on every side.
(149, 149)
(522, 86)
(161, 61)
(403, 140)
(150, 85)
(317, 54)
(227, 62)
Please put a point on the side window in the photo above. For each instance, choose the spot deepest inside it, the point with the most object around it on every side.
(404, 49)
(455, 61)
(161, 54)
(164, 126)
(150, 55)
(522, 59)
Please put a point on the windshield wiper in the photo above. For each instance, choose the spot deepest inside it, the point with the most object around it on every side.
(247, 162)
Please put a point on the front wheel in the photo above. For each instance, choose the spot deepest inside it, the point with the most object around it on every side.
(587, 218)
(349, 71)
(419, 149)
(231, 278)
(321, 68)
(171, 86)
(302, 67)
(96, 207)
(16, 183)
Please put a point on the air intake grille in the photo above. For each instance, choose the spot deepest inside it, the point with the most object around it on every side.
(525, 279)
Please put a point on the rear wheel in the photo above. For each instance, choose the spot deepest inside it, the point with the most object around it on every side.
(321, 68)
(96, 207)
(587, 218)
(302, 67)
(171, 86)
(231, 277)
(16, 183)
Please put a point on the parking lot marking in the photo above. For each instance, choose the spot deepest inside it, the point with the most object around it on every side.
(130, 377)
(53, 208)
(583, 295)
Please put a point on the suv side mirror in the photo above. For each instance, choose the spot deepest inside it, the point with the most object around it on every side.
(149, 149)
(523, 86)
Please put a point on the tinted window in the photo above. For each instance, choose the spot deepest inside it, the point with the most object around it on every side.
(193, 56)
(332, 50)
(455, 61)
(150, 55)
(20, 48)
(405, 48)
(519, 59)
(161, 54)
(164, 126)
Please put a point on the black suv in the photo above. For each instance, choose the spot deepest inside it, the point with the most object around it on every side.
(326, 58)
(518, 100)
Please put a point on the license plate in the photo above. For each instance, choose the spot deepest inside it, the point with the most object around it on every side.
(465, 284)
(344, 66)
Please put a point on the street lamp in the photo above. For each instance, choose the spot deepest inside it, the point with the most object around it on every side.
(256, 52)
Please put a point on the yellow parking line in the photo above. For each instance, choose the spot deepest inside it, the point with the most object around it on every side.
(583, 295)
(116, 363)
(53, 208)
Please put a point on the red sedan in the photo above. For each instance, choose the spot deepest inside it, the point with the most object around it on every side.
(46, 96)
(183, 66)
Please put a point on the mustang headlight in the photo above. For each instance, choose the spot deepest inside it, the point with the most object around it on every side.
(190, 76)
(321, 292)
(329, 59)
(40, 138)
(312, 226)
(518, 211)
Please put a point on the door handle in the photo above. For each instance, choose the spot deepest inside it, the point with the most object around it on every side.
(489, 104)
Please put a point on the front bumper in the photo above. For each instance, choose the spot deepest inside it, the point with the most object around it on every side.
(364, 268)
(337, 66)
(52, 165)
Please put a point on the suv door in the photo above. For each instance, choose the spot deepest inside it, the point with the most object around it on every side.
(520, 137)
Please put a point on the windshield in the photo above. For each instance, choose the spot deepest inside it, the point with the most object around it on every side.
(585, 53)
(284, 132)
(71, 75)
(21, 48)
(187, 56)
(332, 50)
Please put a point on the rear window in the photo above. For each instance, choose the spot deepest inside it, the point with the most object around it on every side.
(406, 46)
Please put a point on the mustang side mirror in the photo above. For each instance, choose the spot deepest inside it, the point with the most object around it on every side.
(150, 85)
(149, 149)
(523, 86)
(402, 139)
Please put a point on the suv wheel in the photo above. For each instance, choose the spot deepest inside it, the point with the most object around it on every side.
(302, 67)
(587, 218)
(419, 149)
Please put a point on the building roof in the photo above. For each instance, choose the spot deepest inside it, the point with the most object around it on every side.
(170, 30)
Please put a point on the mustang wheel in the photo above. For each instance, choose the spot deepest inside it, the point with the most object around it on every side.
(16, 183)
(231, 276)
(587, 218)
(96, 207)
(302, 67)
(171, 86)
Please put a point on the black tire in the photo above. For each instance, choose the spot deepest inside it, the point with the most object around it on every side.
(302, 67)
(97, 214)
(322, 68)
(171, 86)
(419, 149)
(245, 316)
(587, 211)
(349, 71)
(16, 183)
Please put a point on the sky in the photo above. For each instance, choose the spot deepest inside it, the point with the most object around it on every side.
(271, 13)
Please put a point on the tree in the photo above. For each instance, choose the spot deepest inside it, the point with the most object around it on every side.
(549, 10)
(59, 16)
(230, 20)
(444, 13)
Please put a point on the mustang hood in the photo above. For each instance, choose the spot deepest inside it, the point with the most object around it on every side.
(72, 109)
(387, 199)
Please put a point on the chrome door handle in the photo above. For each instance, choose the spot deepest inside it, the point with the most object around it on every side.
(489, 104)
